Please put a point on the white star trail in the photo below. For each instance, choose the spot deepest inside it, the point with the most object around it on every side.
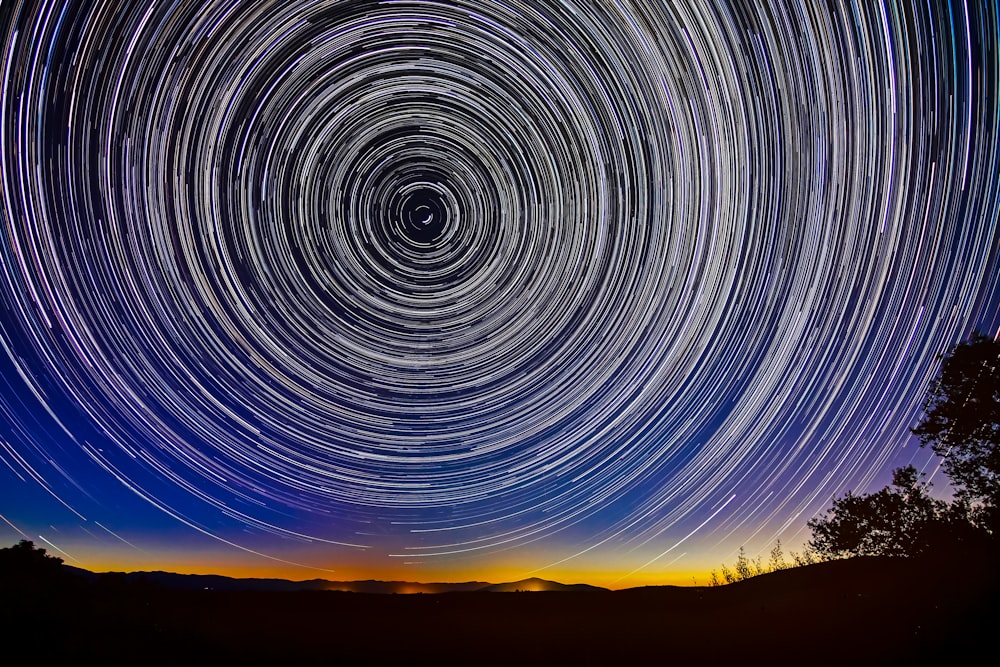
(431, 278)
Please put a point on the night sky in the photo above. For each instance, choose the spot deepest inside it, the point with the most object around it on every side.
(594, 291)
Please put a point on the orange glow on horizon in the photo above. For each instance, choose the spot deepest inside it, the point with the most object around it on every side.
(500, 574)
(614, 573)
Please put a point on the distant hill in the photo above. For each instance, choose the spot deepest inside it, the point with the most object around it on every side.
(536, 584)
(215, 582)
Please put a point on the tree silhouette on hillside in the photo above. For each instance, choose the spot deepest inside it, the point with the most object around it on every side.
(961, 422)
(24, 558)
(899, 520)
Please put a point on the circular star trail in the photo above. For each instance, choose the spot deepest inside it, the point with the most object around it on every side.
(437, 278)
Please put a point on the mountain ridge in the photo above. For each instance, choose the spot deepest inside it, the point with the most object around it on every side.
(174, 580)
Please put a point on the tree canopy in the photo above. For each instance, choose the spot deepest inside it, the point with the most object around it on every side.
(961, 423)
(26, 556)
(899, 520)
(27, 568)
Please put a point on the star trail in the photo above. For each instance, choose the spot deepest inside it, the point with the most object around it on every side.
(437, 286)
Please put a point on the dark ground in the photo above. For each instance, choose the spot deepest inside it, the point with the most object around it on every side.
(858, 612)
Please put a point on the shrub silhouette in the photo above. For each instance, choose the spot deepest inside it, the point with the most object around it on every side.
(777, 560)
(745, 567)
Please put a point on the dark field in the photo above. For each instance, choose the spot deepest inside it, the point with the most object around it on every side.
(856, 612)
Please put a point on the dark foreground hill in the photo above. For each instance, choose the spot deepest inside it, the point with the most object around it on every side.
(858, 612)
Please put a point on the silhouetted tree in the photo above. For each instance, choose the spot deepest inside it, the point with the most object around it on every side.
(24, 558)
(900, 520)
(27, 570)
(961, 423)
